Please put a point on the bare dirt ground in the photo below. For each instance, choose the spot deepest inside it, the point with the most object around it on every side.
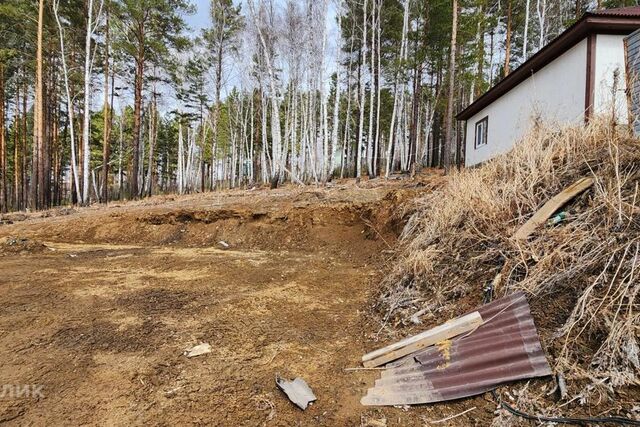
(98, 305)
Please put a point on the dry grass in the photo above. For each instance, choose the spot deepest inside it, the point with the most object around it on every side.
(459, 239)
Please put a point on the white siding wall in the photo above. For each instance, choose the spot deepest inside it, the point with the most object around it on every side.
(609, 57)
(554, 94)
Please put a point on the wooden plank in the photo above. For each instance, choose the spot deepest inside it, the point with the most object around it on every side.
(433, 336)
(555, 203)
(412, 339)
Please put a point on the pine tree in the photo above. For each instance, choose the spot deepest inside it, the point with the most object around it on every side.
(221, 38)
(151, 28)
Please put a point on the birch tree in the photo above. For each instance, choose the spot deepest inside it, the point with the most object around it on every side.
(92, 23)
(3, 142)
(448, 139)
(107, 115)
(362, 98)
(541, 9)
(525, 38)
(397, 91)
(70, 114)
(336, 101)
(221, 39)
(370, 165)
(276, 134)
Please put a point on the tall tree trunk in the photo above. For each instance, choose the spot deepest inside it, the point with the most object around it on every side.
(38, 113)
(120, 149)
(336, 100)
(448, 142)
(323, 99)
(376, 140)
(541, 9)
(23, 143)
(525, 40)
(180, 172)
(3, 146)
(86, 153)
(276, 133)
(106, 143)
(417, 98)
(370, 167)
(344, 156)
(153, 131)
(263, 134)
(507, 43)
(397, 88)
(479, 79)
(50, 128)
(57, 152)
(17, 160)
(436, 130)
(216, 109)
(203, 137)
(362, 91)
(71, 123)
(491, 55)
(137, 114)
(252, 136)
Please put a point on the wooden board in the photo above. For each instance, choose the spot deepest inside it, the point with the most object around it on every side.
(555, 203)
(433, 336)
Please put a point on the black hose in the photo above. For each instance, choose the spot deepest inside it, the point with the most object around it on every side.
(563, 420)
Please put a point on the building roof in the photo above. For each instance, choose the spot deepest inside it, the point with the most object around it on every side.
(620, 11)
(622, 20)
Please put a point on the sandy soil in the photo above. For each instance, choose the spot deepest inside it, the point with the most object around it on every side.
(98, 305)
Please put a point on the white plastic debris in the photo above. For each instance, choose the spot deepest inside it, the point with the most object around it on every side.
(297, 391)
(198, 350)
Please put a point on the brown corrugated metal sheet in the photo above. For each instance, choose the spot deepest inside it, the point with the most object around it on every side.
(505, 348)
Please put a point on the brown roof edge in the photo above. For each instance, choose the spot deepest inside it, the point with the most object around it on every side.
(589, 23)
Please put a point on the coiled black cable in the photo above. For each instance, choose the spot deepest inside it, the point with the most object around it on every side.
(565, 420)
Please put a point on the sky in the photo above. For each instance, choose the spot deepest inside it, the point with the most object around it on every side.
(200, 19)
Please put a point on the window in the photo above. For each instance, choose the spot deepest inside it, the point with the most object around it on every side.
(482, 128)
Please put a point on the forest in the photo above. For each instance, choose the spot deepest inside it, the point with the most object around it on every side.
(121, 99)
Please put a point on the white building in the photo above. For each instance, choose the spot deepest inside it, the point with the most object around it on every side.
(567, 81)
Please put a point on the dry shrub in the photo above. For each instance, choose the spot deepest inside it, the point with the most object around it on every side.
(460, 238)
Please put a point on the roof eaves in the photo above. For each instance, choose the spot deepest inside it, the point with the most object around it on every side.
(590, 22)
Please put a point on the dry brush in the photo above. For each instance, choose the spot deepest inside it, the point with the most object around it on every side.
(460, 238)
